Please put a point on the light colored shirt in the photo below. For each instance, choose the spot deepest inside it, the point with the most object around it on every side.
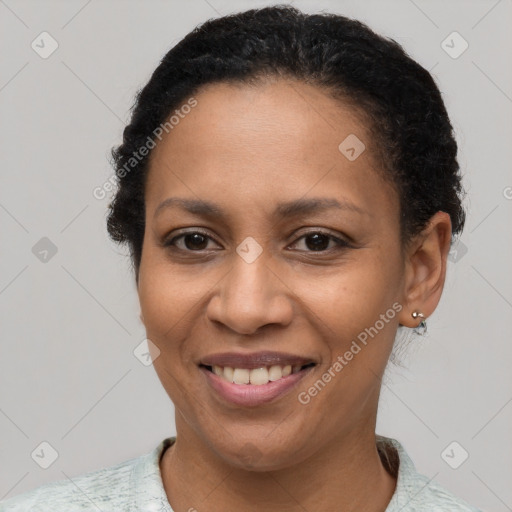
(136, 486)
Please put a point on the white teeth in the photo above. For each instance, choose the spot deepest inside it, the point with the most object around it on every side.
(259, 376)
(256, 376)
(274, 373)
(228, 373)
(241, 376)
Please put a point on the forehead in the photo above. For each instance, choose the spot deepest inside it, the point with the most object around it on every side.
(258, 144)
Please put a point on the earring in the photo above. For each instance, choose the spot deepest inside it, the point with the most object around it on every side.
(421, 328)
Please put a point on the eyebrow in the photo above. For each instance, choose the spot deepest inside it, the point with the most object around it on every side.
(284, 210)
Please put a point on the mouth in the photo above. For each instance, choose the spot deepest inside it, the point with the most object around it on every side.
(249, 380)
(256, 376)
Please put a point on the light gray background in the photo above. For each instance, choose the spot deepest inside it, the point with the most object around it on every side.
(68, 375)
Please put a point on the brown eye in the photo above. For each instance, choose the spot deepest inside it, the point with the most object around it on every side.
(195, 241)
(318, 241)
(192, 241)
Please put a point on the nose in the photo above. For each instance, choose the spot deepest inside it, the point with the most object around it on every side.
(250, 296)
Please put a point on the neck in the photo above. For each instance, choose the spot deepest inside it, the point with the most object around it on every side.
(336, 477)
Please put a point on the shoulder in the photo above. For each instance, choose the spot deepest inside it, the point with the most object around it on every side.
(416, 492)
(425, 494)
(105, 489)
(436, 498)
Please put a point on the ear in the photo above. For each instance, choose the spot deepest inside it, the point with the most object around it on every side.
(425, 269)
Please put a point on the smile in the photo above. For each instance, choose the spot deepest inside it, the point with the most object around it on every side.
(253, 387)
(255, 376)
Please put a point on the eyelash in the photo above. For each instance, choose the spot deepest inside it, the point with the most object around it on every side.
(341, 244)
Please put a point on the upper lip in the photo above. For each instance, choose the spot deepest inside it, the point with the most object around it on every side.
(254, 360)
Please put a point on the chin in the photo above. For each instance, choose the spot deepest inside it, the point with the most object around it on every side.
(261, 454)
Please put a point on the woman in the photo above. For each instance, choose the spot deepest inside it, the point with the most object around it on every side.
(289, 190)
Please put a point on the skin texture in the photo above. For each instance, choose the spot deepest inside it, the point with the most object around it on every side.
(248, 148)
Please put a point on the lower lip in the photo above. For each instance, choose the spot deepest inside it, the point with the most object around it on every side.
(251, 395)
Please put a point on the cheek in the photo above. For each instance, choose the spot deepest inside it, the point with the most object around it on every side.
(168, 294)
(356, 315)
(352, 296)
(167, 299)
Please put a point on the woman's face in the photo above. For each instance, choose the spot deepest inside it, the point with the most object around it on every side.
(262, 279)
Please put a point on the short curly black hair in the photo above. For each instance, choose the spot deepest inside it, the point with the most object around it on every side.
(398, 97)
